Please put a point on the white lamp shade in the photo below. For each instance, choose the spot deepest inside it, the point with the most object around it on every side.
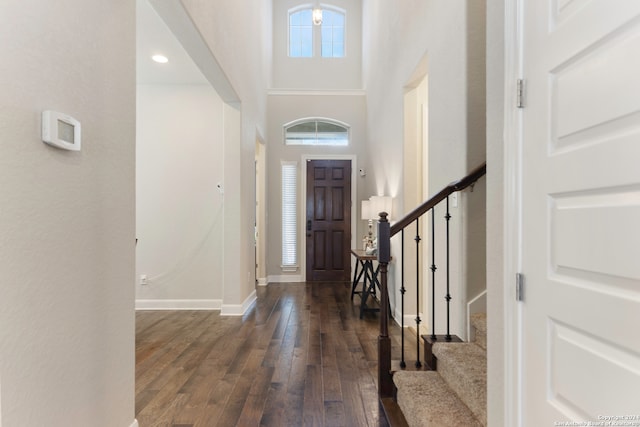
(381, 204)
(366, 210)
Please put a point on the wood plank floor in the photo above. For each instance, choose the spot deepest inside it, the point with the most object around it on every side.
(300, 357)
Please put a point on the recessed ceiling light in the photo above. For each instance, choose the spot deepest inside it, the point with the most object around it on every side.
(160, 58)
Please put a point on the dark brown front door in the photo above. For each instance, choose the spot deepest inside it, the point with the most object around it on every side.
(328, 221)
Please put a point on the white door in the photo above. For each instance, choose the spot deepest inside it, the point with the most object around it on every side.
(580, 342)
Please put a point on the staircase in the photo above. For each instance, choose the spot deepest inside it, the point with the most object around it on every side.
(456, 393)
(453, 392)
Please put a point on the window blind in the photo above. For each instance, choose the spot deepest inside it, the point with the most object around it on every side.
(289, 208)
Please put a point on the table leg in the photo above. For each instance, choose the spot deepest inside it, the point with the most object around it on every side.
(370, 277)
(356, 278)
(377, 284)
(366, 290)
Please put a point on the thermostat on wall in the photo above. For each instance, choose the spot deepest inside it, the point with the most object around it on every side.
(61, 130)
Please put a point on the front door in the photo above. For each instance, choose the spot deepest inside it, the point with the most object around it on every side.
(580, 237)
(328, 222)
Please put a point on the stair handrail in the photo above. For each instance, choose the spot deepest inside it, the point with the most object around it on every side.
(459, 185)
(385, 232)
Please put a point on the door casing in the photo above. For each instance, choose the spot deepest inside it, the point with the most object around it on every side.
(512, 366)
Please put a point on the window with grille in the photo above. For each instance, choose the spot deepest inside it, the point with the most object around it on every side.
(302, 32)
(316, 132)
(332, 34)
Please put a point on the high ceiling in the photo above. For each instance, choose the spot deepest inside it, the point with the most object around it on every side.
(154, 37)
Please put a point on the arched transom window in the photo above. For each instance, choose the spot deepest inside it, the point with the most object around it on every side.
(316, 131)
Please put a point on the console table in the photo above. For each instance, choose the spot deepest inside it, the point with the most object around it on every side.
(364, 268)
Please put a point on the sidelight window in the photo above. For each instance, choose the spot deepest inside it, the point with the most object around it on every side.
(289, 206)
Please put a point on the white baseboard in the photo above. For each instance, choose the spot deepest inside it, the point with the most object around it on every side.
(409, 320)
(238, 309)
(262, 281)
(178, 304)
(476, 305)
(285, 279)
(134, 424)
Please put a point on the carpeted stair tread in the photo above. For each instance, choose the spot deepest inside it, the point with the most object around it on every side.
(463, 366)
(479, 323)
(427, 401)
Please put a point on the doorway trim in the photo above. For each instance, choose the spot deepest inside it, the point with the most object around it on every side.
(416, 191)
(302, 213)
(512, 194)
(261, 209)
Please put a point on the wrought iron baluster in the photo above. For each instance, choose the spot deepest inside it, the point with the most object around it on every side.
(448, 296)
(433, 273)
(402, 291)
(418, 320)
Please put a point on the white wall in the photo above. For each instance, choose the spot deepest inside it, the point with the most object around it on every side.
(67, 218)
(399, 36)
(431, 27)
(317, 72)
(179, 210)
(414, 192)
(283, 109)
(474, 232)
(245, 59)
(238, 219)
(261, 212)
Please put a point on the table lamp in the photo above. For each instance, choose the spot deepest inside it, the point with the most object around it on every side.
(367, 216)
(381, 204)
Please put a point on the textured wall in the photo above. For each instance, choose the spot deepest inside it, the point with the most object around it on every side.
(179, 211)
(67, 218)
(317, 72)
(239, 36)
(399, 37)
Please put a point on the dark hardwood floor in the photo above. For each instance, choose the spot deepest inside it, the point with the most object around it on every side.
(300, 357)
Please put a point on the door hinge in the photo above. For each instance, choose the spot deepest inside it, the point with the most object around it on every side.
(520, 93)
(519, 287)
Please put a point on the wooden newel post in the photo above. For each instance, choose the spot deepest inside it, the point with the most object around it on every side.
(385, 382)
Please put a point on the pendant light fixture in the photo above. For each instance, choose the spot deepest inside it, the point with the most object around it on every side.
(317, 15)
